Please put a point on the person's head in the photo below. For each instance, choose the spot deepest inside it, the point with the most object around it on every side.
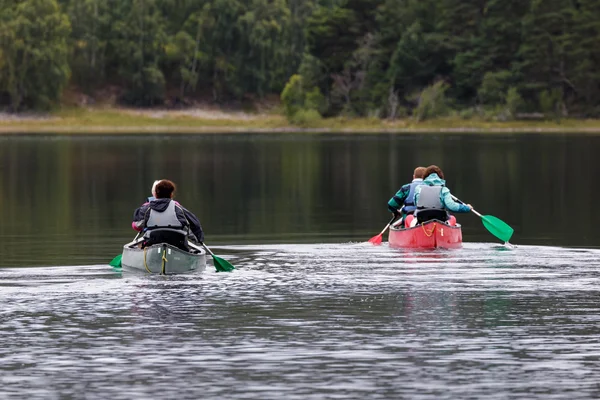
(153, 190)
(165, 189)
(433, 169)
(419, 173)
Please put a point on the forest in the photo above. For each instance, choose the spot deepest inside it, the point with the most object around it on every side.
(503, 59)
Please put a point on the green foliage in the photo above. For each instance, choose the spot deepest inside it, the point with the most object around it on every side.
(140, 46)
(293, 96)
(314, 100)
(311, 70)
(364, 57)
(147, 87)
(469, 113)
(551, 103)
(306, 118)
(432, 102)
(331, 36)
(90, 40)
(34, 65)
(302, 106)
(493, 87)
(514, 102)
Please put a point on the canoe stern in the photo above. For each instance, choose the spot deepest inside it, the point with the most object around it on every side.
(163, 259)
(430, 235)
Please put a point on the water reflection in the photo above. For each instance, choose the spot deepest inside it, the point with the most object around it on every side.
(68, 200)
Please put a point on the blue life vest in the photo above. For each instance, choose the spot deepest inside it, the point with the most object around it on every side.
(409, 202)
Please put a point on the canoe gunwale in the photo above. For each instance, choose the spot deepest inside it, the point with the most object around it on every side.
(420, 226)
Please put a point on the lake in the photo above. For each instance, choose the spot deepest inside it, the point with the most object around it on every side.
(311, 312)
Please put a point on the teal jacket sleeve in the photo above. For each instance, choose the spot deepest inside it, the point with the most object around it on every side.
(450, 204)
(396, 202)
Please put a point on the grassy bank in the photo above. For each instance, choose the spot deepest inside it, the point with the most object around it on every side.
(115, 121)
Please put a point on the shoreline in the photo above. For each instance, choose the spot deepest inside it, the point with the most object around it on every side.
(115, 121)
(194, 130)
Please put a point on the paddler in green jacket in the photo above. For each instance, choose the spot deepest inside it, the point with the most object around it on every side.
(434, 195)
(403, 202)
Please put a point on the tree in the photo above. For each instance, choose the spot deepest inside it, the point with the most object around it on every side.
(489, 43)
(547, 61)
(34, 65)
(91, 34)
(139, 47)
(297, 99)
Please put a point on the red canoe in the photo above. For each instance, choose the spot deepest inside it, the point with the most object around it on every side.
(430, 235)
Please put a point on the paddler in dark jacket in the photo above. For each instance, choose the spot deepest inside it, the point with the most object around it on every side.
(164, 213)
(403, 202)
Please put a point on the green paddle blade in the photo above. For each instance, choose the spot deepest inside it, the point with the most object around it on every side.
(497, 227)
(116, 262)
(222, 265)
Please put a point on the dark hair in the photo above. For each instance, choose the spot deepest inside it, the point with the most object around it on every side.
(419, 172)
(433, 169)
(165, 189)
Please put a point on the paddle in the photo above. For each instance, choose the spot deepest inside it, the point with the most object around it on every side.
(220, 264)
(376, 240)
(494, 225)
(116, 262)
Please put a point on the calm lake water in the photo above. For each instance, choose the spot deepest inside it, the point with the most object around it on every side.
(312, 312)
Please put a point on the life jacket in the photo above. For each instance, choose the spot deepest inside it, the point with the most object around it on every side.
(165, 220)
(409, 202)
(430, 198)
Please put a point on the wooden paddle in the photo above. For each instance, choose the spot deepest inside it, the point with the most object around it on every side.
(376, 240)
(220, 264)
(494, 225)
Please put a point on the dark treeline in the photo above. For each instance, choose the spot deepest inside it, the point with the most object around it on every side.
(383, 58)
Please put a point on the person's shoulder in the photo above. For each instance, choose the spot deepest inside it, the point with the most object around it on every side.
(178, 205)
(143, 206)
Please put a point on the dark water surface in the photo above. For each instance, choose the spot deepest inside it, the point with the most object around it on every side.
(310, 312)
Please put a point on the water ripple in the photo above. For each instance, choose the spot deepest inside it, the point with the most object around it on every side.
(311, 322)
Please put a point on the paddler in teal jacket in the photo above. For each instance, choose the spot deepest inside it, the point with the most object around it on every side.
(433, 194)
(403, 202)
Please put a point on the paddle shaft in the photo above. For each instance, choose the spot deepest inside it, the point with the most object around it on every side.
(208, 250)
(387, 226)
(495, 226)
(198, 248)
(462, 202)
(220, 264)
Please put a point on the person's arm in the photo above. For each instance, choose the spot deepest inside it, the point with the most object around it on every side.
(195, 226)
(396, 202)
(194, 223)
(452, 205)
(139, 215)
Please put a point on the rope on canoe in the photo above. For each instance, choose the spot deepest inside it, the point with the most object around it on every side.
(146, 265)
(428, 234)
(164, 260)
